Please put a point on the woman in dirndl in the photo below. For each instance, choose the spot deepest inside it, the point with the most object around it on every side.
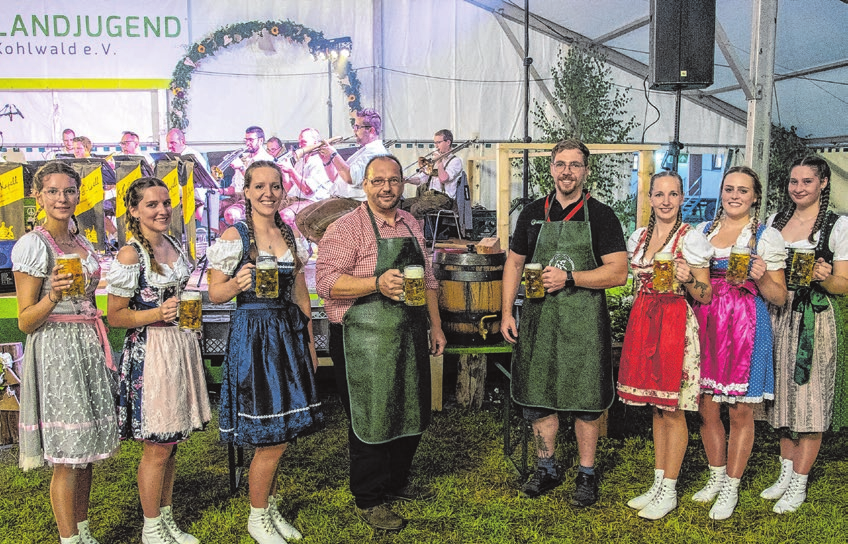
(737, 367)
(811, 367)
(268, 394)
(660, 358)
(162, 396)
(67, 414)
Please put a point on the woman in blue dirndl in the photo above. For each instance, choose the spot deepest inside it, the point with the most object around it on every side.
(268, 394)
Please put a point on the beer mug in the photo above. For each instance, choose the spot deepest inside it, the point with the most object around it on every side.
(801, 270)
(267, 279)
(72, 264)
(533, 287)
(189, 310)
(737, 265)
(413, 286)
(663, 272)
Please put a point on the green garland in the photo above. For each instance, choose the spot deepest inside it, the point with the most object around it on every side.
(225, 37)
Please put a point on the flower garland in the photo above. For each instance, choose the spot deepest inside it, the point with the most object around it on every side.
(225, 37)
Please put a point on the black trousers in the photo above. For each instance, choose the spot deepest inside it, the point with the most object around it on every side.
(376, 470)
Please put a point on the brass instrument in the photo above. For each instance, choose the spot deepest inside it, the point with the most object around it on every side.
(430, 162)
(218, 170)
(295, 154)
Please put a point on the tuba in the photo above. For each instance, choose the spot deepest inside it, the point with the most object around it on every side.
(218, 170)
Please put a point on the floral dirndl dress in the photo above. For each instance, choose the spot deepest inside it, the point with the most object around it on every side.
(162, 391)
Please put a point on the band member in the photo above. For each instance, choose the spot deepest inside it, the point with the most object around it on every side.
(81, 147)
(67, 416)
(310, 182)
(68, 136)
(349, 173)
(254, 150)
(386, 397)
(437, 179)
(177, 144)
(130, 145)
(562, 359)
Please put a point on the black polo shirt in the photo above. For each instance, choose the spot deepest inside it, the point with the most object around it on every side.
(607, 234)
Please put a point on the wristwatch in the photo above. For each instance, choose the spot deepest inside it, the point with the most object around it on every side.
(569, 279)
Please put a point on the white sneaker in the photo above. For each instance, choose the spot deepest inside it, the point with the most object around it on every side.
(155, 532)
(70, 540)
(794, 496)
(779, 488)
(261, 527)
(663, 502)
(727, 499)
(642, 500)
(84, 534)
(717, 477)
(180, 536)
(286, 529)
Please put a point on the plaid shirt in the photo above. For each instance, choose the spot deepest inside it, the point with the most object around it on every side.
(349, 247)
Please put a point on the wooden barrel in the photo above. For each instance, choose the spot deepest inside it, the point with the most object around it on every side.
(470, 287)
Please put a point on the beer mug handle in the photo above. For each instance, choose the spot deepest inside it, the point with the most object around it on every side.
(402, 296)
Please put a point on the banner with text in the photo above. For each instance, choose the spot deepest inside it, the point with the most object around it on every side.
(97, 44)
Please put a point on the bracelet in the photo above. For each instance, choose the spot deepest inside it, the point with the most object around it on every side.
(50, 298)
(333, 156)
(377, 283)
(690, 280)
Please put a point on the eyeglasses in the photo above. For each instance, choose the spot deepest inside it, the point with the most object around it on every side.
(559, 166)
(379, 182)
(53, 193)
(357, 127)
(437, 142)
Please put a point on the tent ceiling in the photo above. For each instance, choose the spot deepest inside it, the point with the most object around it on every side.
(811, 58)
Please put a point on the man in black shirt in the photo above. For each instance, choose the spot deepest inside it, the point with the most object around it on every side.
(561, 361)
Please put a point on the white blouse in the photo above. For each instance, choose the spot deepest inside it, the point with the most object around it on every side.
(697, 251)
(29, 255)
(123, 279)
(770, 246)
(225, 255)
(838, 242)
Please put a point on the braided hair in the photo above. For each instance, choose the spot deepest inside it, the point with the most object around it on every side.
(57, 167)
(754, 212)
(822, 170)
(653, 220)
(285, 230)
(132, 199)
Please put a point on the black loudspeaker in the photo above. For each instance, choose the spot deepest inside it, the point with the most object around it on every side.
(682, 44)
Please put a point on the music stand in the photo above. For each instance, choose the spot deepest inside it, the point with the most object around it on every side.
(202, 180)
(146, 169)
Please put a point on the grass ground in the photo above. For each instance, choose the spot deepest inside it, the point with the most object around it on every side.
(461, 459)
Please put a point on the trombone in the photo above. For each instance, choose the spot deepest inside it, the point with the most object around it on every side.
(218, 170)
(429, 162)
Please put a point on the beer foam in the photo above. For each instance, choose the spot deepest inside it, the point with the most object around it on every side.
(533, 266)
(663, 256)
(266, 264)
(413, 272)
(190, 295)
(741, 250)
(68, 257)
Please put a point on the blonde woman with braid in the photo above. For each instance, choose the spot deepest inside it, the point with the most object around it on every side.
(809, 354)
(67, 414)
(737, 367)
(162, 393)
(660, 359)
(268, 394)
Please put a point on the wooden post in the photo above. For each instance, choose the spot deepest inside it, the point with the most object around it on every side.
(471, 380)
(436, 367)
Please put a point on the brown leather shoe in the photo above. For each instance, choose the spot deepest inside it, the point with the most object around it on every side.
(381, 517)
(408, 493)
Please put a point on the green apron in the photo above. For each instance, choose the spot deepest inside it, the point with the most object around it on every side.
(387, 354)
(562, 360)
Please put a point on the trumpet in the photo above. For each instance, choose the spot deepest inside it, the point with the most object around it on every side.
(218, 170)
(429, 161)
(295, 154)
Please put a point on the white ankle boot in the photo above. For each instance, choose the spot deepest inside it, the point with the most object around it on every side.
(155, 532)
(794, 496)
(776, 491)
(727, 499)
(642, 500)
(177, 534)
(71, 540)
(663, 502)
(714, 485)
(261, 527)
(85, 534)
(286, 529)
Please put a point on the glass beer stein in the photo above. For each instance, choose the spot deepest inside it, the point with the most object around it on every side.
(801, 270)
(663, 272)
(413, 286)
(190, 310)
(737, 265)
(72, 264)
(267, 278)
(533, 287)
